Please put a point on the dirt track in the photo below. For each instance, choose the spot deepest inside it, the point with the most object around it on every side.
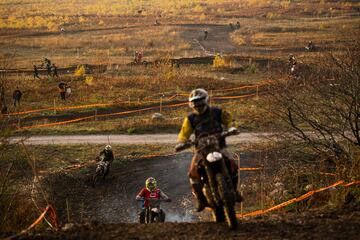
(113, 200)
(127, 139)
(109, 210)
(313, 225)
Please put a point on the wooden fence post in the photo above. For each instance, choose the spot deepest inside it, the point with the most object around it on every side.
(54, 105)
(161, 103)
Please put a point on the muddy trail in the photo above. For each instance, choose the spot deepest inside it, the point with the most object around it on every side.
(113, 199)
(342, 224)
(109, 211)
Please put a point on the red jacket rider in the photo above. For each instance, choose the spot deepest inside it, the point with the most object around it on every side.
(150, 192)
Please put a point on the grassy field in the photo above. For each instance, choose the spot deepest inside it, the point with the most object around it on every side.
(106, 34)
(109, 32)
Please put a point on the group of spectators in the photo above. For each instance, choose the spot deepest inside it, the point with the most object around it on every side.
(51, 69)
(234, 26)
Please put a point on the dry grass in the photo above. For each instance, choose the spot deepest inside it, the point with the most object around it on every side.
(246, 113)
(110, 31)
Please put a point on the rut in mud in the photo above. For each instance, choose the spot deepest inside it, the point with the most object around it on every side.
(109, 211)
(113, 199)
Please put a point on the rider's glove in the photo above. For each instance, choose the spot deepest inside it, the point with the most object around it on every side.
(179, 146)
(233, 130)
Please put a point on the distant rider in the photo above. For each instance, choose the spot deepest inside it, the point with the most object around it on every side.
(206, 120)
(106, 155)
(310, 46)
(150, 191)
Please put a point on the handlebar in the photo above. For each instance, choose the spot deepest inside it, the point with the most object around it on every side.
(190, 143)
(155, 200)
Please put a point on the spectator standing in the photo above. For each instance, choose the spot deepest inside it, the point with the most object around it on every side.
(2, 100)
(62, 90)
(36, 72)
(205, 34)
(17, 94)
(48, 66)
(54, 70)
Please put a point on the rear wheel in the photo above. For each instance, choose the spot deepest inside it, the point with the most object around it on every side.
(227, 197)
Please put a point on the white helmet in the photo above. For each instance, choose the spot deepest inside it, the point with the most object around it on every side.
(198, 100)
(108, 148)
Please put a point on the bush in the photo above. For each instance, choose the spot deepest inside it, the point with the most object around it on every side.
(131, 130)
(252, 68)
(80, 71)
(323, 109)
(89, 80)
(218, 61)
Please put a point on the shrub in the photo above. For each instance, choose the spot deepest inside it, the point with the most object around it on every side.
(131, 130)
(218, 61)
(252, 68)
(89, 80)
(80, 71)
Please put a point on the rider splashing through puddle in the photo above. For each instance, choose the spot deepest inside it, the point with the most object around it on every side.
(151, 196)
(106, 157)
(209, 125)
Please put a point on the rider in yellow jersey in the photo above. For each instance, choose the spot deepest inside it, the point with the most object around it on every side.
(206, 120)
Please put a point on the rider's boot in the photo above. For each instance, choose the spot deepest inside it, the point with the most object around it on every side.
(142, 216)
(238, 197)
(201, 199)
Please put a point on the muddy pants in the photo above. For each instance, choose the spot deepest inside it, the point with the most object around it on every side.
(142, 216)
(229, 160)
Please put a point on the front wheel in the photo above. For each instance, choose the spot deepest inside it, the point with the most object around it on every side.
(153, 217)
(95, 178)
(99, 171)
(228, 201)
(218, 215)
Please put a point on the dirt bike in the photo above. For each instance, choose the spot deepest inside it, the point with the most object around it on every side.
(102, 170)
(217, 185)
(153, 213)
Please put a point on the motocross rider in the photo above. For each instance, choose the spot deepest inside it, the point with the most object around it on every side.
(106, 155)
(206, 120)
(150, 191)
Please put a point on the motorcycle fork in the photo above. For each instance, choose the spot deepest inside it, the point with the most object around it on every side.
(227, 176)
(212, 184)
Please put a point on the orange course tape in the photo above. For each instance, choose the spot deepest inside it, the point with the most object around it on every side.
(37, 221)
(298, 199)
(81, 165)
(234, 97)
(62, 108)
(128, 112)
(124, 101)
(101, 115)
(250, 169)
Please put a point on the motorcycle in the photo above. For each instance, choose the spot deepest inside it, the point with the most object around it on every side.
(217, 185)
(153, 212)
(102, 169)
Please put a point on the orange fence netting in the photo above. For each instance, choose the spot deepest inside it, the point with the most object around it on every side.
(37, 221)
(127, 101)
(298, 199)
